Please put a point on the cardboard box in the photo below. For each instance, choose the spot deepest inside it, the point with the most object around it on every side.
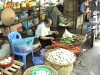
(17, 27)
(7, 30)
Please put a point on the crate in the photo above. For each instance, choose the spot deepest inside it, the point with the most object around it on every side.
(15, 69)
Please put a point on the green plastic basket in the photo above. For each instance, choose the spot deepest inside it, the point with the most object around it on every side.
(41, 68)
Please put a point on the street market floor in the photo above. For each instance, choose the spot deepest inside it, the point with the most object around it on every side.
(88, 60)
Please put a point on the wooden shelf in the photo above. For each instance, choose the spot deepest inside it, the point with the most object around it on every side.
(25, 9)
(31, 16)
(25, 19)
(20, 21)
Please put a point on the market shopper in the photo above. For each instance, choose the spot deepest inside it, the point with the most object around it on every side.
(84, 6)
(84, 9)
(44, 33)
(95, 6)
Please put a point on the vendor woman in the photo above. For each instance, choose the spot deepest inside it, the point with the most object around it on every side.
(44, 33)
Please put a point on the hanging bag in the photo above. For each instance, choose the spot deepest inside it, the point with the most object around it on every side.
(23, 45)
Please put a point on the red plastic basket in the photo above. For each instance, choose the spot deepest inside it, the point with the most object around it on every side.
(8, 64)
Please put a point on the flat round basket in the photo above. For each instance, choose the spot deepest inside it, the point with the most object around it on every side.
(47, 53)
(29, 70)
(41, 68)
(81, 42)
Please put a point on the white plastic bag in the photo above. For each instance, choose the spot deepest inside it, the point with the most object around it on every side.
(67, 34)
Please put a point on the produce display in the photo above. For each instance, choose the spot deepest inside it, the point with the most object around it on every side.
(67, 40)
(71, 41)
(6, 60)
(74, 49)
(42, 72)
(60, 56)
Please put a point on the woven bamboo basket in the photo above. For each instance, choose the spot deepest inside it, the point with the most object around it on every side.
(62, 69)
(79, 43)
(47, 63)
(48, 47)
(29, 70)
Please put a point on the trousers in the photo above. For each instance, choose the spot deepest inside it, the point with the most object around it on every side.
(47, 41)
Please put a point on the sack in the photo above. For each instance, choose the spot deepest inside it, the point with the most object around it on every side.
(23, 45)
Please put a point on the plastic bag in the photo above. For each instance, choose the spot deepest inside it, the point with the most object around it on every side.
(67, 34)
(27, 25)
(23, 45)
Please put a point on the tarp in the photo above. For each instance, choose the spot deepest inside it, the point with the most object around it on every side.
(53, 13)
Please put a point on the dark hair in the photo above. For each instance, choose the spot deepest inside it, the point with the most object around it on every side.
(47, 20)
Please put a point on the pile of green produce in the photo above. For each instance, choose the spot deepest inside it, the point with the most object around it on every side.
(69, 40)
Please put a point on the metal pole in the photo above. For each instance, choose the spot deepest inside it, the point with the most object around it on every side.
(74, 14)
(44, 3)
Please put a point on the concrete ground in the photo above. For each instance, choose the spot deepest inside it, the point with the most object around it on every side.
(88, 61)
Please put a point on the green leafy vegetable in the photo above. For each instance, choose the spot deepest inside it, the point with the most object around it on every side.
(67, 40)
(70, 40)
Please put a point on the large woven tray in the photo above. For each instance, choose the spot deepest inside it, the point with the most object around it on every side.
(29, 70)
(80, 43)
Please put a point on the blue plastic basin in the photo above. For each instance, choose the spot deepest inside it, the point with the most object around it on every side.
(38, 60)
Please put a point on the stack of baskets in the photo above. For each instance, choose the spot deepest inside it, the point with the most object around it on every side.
(62, 69)
(29, 70)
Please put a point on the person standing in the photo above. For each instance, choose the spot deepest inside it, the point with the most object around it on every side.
(95, 6)
(84, 9)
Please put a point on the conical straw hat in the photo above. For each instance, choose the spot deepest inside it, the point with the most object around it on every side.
(8, 16)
